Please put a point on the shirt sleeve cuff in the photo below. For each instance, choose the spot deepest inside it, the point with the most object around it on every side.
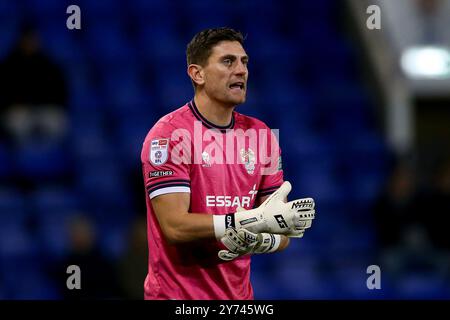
(166, 190)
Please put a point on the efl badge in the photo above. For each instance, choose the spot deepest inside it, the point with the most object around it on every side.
(159, 151)
(248, 158)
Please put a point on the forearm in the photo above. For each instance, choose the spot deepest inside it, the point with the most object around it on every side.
(177, 224)
(197, 226)
(284, 243)
(180, 226)
(190, 227)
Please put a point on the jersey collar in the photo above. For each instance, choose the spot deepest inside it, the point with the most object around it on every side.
(207, 123)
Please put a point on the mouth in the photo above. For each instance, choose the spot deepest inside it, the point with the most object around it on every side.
(237, 85)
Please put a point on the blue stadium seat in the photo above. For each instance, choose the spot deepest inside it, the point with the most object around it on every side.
(121, 89)
(422, 286)
(8, 9)
(365, 165)
(34, 286)
(3, 292)
(262, 288)
(108, 45)
(347, 96)
(9, 17)
(256, 22)
(366, 187)
(286, 95)
(113, 238)
(319, 184)
(85, 101)
(150, 9)
(156, 43)
(130, 137)
(103, 187)
(153, 24)
(62, 45)
(99, 17)
(55, 200)
(37, 161)
(14, 234)
(175, 90)
(53, 236)
(25, 279)
(308, 156)
(54, 207)
(89, 138)
(13, 206)
(6, 165)
(213, 15)
(308, 282)
(102, 9)
(352, 278)
(43, 11)
(15, 240)
(284, 107)
(353, 237)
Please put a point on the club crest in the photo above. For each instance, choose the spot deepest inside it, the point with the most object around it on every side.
(248, 158)
(206, 160)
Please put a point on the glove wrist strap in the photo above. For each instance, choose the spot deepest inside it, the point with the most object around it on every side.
(276, 243)
(221, 223)
(270, 243)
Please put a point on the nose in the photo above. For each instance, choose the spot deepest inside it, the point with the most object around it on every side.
(241, 69)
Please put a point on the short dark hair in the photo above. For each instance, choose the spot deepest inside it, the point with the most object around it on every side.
(200, 47)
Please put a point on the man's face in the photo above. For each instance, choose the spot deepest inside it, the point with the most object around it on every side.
(226, 73)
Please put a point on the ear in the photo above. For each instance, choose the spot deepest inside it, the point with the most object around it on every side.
(196, 73)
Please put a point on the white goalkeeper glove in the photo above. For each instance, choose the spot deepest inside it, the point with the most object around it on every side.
(305, 216)
(241, 242)
(276, 216)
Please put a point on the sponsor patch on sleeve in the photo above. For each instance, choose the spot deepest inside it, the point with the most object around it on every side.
(156, 174)
(159, 151)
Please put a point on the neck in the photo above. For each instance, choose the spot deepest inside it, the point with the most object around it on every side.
(213, 110)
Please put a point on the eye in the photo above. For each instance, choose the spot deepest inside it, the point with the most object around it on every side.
(227, 61)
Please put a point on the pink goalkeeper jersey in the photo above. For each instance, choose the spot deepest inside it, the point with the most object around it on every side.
(222, 168)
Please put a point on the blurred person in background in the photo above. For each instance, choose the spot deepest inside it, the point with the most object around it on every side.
(402, 216)
(437, 201)
(395, 210)
(132, 267)
(34, 115)
(98, 277)
(34, 95)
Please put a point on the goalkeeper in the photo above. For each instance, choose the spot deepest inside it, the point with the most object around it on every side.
(207, 216)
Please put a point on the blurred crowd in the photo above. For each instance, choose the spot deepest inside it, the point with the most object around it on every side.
(411, 211)
(412, 214)
(34, 118)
